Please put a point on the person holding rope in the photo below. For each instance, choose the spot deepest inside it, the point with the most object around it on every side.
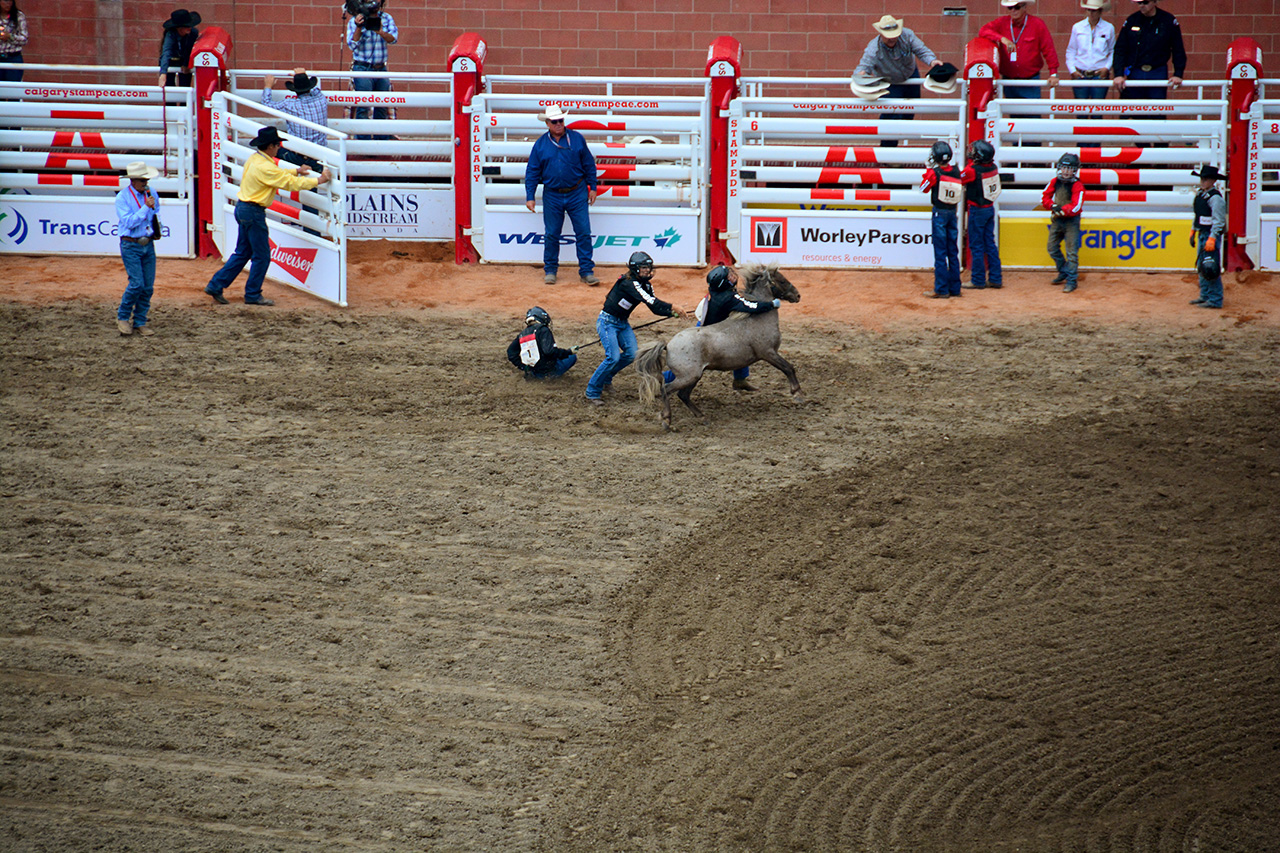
(137, 208)
(369, 31)
(534, 350)
(180, 34)
(1210, 211)
(1149, 39)
(1091, 49)
(614, 323)
(1025, 47)
(262, 177)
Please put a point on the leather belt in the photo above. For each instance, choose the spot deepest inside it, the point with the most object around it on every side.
(135, 240)
(569, 190)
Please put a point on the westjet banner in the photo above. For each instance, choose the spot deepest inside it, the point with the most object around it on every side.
(900, 240)
(670, 237)
(83, 226)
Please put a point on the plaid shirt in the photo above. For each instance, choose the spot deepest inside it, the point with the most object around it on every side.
(370, 48)
(313, 106)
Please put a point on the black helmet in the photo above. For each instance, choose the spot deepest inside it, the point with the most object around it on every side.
(1209, 266)
(536, 315)
(940, 153)
(638, 260)
(982, 151)
(1068, 165)
(718, 279)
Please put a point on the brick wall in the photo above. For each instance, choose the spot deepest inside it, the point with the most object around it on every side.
(601, 37)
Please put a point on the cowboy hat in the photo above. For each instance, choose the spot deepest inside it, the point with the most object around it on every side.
(268, 135)
(182, 18)
(888, 26)
(869, 88)
(301, 83)
(1208, 173)
(1100, 5)
(1008, 3)
(141, 170)
(942, 79)
(554, 113)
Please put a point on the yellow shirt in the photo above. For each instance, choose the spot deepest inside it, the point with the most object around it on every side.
(262, 177)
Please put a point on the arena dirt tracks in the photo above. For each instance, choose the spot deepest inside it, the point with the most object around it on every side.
(385, 640)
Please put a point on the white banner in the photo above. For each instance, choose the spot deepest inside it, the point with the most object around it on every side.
(299, 263)
(822, 240)
(84, 226)
(670, 237)
(1268, 253)
(400, 213)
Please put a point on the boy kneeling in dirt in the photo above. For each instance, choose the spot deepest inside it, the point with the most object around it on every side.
(534, 350)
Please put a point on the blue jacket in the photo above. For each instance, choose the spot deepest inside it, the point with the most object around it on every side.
(559, 166)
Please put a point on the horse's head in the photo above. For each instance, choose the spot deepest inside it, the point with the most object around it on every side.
(765, 281)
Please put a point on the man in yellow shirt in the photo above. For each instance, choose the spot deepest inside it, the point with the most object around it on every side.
(262, 177)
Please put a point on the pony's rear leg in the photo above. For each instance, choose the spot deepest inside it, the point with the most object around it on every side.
(787, 370)
(682, 387)
(684, 395)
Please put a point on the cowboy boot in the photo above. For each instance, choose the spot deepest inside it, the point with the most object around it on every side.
(743, 385)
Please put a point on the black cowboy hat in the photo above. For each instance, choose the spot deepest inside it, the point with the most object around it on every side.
(268, 135)
(1208, 173)
(944, 72)
(182, 18)
(301, 83)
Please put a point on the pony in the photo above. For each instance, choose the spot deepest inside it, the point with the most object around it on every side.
(738, 341)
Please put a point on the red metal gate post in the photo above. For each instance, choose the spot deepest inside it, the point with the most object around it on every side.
(209, 67)
(981, 59)
(724, 67)
(1244, 149)
(466, 62)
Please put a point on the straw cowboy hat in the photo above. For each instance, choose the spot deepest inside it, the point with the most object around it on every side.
(139, 169)
(1100, 5)
(554, 113)
(182, 18)
(942, 79)
(1007, 3)
(869, 88)
(888, 26)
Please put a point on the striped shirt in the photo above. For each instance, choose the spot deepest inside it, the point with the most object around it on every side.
(16, 35)
(370, 48)
(312, 106)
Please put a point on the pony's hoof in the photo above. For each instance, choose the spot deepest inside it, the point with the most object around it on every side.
(798, 399)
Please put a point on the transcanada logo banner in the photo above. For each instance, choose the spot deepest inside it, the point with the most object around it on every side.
(82, 226)
(670, 238)
(867, 241)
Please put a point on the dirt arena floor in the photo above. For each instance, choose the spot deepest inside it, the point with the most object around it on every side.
(313, 579)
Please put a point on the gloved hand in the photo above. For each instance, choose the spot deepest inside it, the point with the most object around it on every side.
(574, 349)
(1191, 240)
(777, 303)
(1056, 211)
(676, 312)
(1210, 244)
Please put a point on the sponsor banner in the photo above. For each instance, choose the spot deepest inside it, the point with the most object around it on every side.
(1268, 245)
(865, 241)
(299, 263)
(84, 226)
(400, 213)
(671, 238)
(1104, 243)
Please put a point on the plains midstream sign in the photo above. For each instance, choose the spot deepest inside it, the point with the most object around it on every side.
(1152, 244)
(400, 213)
(900, 240)
(83, 226)
(671, 238)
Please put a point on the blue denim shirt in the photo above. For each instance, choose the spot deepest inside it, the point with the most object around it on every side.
(133, 213)
(559, 165)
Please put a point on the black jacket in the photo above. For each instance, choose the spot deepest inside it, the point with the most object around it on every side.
(548, 352)
(721, 305)
(1149, 41)
(627, 293)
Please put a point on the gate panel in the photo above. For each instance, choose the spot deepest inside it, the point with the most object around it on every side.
(1264, 212)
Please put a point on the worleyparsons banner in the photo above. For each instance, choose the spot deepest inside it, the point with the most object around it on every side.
(671, 238)
(83, 226)
(838, 241)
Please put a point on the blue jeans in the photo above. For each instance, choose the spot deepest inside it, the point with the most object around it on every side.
(1026, 93)
(369, 84)
(250, 244)
(619, 342)
(140, 266)
(554, 206)
(946, 251)
(1210, 289)
(10, 75)
(562, 367)
(1064, 234)
(982, 247)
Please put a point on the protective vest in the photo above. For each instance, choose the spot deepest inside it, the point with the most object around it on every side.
(985, 188)
(948, 182)
(1203, 211)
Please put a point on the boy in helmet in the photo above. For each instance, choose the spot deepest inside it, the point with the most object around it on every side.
(942, 182)
(1064, 198)
(534, 350)
(1210, 210)
(981, 179)
(614, 323)
(722, 300)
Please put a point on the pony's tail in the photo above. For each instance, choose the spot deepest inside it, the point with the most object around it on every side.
(649, 365)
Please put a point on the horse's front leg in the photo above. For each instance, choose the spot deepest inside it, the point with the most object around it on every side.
(790, 372)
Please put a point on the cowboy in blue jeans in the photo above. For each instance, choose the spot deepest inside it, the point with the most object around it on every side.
(614, 323)
(137, 209)
(562, 163)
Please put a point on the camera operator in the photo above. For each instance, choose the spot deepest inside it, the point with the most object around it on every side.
(369, 31)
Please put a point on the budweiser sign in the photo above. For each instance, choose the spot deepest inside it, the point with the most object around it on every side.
(298, 262)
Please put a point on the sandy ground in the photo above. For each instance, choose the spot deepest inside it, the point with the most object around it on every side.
(306, 578)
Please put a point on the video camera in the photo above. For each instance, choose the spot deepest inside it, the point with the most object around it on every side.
(370, 9)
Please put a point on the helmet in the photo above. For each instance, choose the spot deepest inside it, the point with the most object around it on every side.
(536, 315)
(1068, 165)
(718, 280)
(982, 151)
(638, 260)
(1209, 266)
(940, 153)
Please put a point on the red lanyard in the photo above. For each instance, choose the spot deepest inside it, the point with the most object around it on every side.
(134, 193)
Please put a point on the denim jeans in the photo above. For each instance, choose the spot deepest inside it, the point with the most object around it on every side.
(1026, 93)
(1210, 289)
(1142, 93)
(10, 75)
(619, 342)
(563, 363)
(900, 90)
(982, 247)
(140, 266)
(1064, 233)
(946, 251)
(250, 244)
(369, 84)
(554, 206)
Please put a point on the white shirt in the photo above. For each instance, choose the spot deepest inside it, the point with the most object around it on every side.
(1090, 48)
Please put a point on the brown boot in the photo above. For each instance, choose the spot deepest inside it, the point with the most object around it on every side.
(125, 327)
(743, 385)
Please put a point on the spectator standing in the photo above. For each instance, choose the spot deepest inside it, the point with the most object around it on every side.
(1025, 48)
(1210, 211)
(534, 350)
(138, 211)
(1149, 39)
(307, 102)
(563, 164)
(180, 34)
(942, 182)
(981, 179)
(891, 56)
(369, 32)
(1064, 198)
(262, 177)
(13, 36)
(1091, 50)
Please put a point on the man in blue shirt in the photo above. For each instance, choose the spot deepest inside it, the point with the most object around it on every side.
(137, 209)
(563, 164)
(368, 34)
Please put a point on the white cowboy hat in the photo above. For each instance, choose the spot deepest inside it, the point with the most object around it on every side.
(554, 113)
(877, 88)
(943, 79)
(1007, 3)
(140, 169)
(1100, 5)
(888, 26)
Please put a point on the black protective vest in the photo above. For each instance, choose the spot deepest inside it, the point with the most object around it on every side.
(1202, 209)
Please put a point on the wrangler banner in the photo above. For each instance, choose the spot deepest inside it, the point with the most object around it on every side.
(1150, 244)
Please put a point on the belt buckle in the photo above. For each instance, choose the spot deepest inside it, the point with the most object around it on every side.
(1147, 67)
